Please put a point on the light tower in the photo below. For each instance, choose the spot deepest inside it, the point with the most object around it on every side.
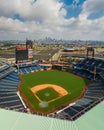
(90, 50)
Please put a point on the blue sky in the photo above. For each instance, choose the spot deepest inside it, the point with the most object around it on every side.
(60, 19)
(73, 7)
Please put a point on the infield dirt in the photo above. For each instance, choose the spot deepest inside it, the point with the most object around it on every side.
(61, 91)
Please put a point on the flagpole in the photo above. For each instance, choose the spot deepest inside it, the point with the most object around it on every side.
(94, 72)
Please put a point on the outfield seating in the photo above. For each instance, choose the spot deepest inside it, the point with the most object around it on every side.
(87, 67)
(31, 67)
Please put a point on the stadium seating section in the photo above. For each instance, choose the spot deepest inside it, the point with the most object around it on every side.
(31, 67)
(9, 82)
(87, 67)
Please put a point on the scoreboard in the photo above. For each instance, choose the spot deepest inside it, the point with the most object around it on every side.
(24, 52)
(21, 55)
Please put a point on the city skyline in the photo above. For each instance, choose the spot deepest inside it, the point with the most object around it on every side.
(59, 19)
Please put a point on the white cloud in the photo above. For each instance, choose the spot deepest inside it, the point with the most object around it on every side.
(92, 6)
(47, 18)
(39, 10)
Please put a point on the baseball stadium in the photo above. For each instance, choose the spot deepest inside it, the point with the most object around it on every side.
(50, 95)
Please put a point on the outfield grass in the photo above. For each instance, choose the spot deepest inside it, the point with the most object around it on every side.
(73, 84)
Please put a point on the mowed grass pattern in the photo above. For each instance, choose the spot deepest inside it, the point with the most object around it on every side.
(73, 84)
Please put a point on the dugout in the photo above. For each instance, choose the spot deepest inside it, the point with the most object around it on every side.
(57, 67)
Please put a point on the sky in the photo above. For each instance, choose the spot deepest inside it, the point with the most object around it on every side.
(59, 19)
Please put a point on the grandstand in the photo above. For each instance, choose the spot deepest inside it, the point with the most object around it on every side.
(89, 67)
(31, 67)
(9, 82)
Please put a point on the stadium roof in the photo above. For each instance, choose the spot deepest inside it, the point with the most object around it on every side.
(91, 120)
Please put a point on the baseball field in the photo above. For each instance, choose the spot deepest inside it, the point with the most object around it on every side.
(48, 90)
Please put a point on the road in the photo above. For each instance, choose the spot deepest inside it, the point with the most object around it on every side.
(56, 56)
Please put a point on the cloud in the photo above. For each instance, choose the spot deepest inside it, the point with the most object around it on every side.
(40, 16)
(92, 6)
(48, 18)
(84, 28)
(30, 10)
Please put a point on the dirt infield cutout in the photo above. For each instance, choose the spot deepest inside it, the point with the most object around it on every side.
(61, 91)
